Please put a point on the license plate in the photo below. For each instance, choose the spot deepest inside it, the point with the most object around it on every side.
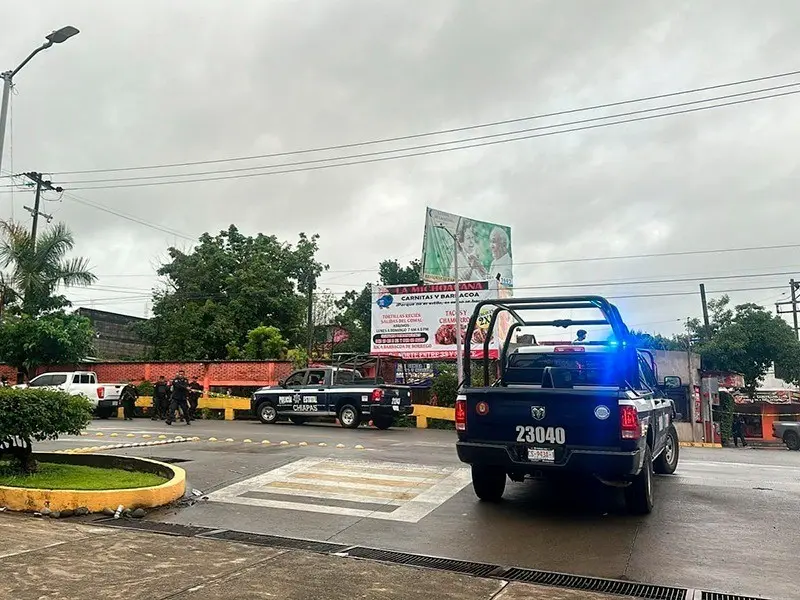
(541, 455)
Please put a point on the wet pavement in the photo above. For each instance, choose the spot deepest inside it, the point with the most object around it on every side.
(726, 521)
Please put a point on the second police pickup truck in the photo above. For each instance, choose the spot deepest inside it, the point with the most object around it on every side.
(569, 409)
(340, 392)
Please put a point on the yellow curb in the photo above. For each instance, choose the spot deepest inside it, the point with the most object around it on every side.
(114, 434)
(266, 442)
(284, 443)
(147, 435)
(340, 445)
(228, 439)
(32, 499)
(700, 445)
(130, 435)
(303, 444)
(162, 437)
(359, 447)
(322, 444)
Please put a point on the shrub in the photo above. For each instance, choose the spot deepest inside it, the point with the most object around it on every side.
(37, 414)
(145, 388)
(444, 388)
(724, 416)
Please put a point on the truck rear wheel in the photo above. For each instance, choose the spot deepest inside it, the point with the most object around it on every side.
(382, 422)
(667, 461)
(489, 483)
(792, 440)
(349, 417)
(639, 494)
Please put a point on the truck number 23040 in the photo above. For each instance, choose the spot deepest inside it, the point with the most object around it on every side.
(541, 435)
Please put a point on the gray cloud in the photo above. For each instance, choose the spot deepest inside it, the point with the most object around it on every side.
(162, 82)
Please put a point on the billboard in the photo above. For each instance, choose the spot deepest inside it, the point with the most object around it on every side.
(418, 322)
(484, 249)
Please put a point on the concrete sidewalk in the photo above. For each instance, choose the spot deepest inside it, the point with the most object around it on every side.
(49, 559)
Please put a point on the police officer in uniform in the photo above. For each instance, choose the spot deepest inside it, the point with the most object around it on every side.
(180, 396)
(128, 397)
(195, 391)
(160, 398)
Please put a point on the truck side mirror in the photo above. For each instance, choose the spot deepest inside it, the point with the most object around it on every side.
(672, 381)
(282, 383)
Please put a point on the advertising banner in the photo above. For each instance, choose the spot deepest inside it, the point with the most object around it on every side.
(418, 322)
(484, 249)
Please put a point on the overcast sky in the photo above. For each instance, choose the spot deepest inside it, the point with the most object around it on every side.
(155, 82)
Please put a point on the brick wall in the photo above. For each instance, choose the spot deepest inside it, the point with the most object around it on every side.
(223, 374)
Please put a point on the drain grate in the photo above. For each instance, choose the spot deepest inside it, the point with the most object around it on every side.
(719, 596)
(276, 541)
(154, 527)
(419, 560)
(594, 584)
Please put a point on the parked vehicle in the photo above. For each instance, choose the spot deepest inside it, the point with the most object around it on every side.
(104, 396)
(788, 432)
(573, 409)
(343, 392)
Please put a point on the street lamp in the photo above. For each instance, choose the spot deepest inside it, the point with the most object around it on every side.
(457, 290)
(57, 37)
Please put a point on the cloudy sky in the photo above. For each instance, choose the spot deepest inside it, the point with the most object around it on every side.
(153, 82)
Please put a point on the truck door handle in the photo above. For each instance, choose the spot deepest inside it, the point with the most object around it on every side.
(320, 389)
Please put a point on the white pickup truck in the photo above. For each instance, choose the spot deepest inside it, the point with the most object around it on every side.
(104, 396)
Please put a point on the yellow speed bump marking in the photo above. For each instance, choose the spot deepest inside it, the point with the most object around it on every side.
(284, 443)
(303, 444)
(99, 434)
(247, 441)
(266, 442)
(162, 437)
(359, 447)
(322, 444)
(114, 434)
(228, 439)
(340, 445)
(147, 435)
(84, 433)
(212, 439)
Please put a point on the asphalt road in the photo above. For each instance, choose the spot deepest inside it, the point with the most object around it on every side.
(726, 521)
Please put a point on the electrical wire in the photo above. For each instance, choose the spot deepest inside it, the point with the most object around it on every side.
(441, 131)
(438, 150)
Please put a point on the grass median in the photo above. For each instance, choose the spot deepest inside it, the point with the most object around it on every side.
(58, 476)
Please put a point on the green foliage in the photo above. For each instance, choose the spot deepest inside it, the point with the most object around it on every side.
(37, 271)
(656, 341)
(265, 343)
(36, 414)
(56, 338)
(747, 339)
(59, 476)
(445, 387)
(356, 306)
(228, 285)
(145, 388)
(298, 356)
(724, 416)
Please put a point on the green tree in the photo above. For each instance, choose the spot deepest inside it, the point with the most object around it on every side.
(749, 340)
(356, 306)
(37, 271)
(37, 414)
(656, 341)
(265, 343)
(228, 285)
(28, 342)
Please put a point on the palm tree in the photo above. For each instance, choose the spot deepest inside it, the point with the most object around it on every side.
(37, 270)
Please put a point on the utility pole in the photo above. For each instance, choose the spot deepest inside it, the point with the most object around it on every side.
(793, 287)
(310, 341)
(692, 416)
(706, 322)
(40, 184)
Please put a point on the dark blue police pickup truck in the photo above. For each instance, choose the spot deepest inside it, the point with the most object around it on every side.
(340, 392)
(574, 408)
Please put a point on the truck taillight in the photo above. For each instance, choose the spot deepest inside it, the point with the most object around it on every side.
(629, 423)
(377, 395)
(101, 392)
(461, 413)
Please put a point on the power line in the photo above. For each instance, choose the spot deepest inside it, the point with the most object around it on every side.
(440, 131)
(435, 144)
(441, 150)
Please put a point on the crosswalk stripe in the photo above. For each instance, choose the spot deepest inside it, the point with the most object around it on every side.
(350, 492)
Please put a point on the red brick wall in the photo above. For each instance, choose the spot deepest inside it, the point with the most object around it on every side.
(227, 374)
